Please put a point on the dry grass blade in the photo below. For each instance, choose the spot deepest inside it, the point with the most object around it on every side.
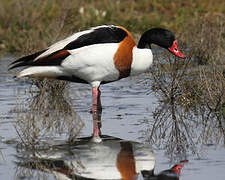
(47, 116)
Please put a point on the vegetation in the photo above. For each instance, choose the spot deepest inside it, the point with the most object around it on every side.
(191, 92)
(27, 25)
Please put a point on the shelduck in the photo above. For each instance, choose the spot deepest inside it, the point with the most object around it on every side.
(114, 158)
(96, 56)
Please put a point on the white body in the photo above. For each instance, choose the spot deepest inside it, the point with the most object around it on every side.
(100, 160)
(92, 63)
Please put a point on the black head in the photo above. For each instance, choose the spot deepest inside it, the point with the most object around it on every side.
(161, 37)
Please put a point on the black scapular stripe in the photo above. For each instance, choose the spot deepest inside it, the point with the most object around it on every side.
(48, 60)
(26, 60)
(100, 35)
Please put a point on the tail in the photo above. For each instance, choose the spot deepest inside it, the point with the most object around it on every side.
(44, 67)
(25, 61)
(40, 72)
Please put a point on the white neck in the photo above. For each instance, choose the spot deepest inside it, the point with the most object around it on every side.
(142, 60)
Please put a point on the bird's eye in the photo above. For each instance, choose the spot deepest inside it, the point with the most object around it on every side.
(175, 49)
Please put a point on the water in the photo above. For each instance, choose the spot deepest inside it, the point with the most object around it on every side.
(130, 112)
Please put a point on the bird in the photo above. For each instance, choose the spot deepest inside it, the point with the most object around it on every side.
(168, 174)
(96, 56)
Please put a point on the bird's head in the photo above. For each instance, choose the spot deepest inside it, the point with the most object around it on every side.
(161, 37)
(177, 169)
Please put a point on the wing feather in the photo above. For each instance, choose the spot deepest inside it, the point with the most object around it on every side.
(56, 53)
(25, 60)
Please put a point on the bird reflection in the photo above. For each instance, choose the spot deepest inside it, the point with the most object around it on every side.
(113, 158)
(97, 115)
(125, 161)
(168, 174)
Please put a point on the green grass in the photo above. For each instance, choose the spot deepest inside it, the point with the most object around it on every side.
(27, 25)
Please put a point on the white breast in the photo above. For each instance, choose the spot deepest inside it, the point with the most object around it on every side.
(142, 60)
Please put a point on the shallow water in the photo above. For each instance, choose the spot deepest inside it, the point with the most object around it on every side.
(129, 112)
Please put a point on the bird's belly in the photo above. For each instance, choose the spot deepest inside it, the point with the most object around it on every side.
(94, 63)
(91, 74)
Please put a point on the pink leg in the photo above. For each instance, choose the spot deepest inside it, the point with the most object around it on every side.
(99, 101)
(96, 111)
(94, 99)
(96, 124)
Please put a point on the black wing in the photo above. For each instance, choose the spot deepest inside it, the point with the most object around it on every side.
(104, 34)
